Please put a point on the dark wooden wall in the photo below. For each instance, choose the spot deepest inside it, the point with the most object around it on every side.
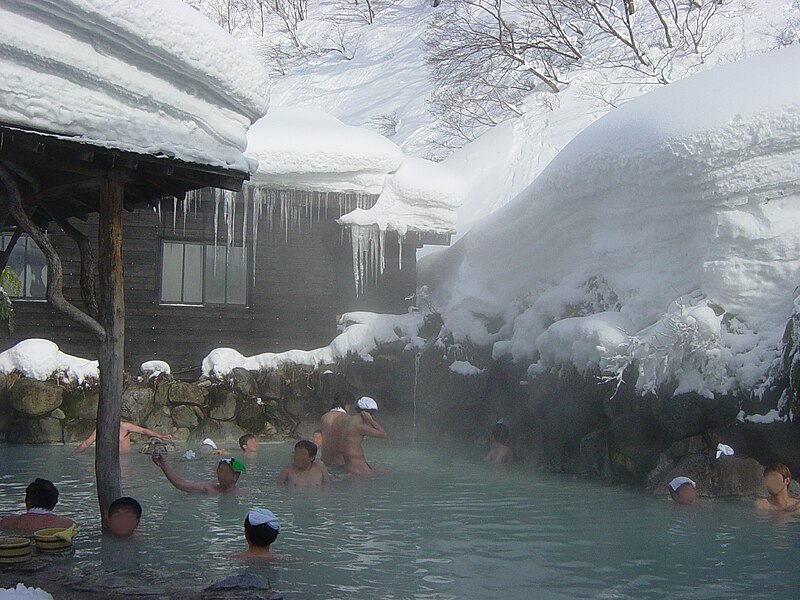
(303, 280)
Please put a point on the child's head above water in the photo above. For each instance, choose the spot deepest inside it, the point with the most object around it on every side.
(261, 527)
(124, 515)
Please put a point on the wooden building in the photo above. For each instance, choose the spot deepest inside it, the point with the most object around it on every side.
(278, 283)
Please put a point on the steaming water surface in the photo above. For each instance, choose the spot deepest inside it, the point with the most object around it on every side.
(441, 525)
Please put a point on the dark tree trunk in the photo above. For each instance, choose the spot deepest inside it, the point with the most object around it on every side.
(112, 348)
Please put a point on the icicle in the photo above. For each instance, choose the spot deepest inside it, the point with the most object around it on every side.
(216, 227)
(400, 237)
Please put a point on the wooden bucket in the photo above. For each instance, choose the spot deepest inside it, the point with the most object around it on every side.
(14, 550)
(46, 541)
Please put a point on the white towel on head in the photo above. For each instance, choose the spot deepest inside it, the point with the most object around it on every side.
(367, 403)
(679, 481)
(259, 516)
(723, 449)
(209, 442)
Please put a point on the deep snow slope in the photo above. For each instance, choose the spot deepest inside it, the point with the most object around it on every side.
(679, 210)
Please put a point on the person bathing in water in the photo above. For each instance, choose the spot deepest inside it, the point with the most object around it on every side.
(332, 422)
(303, 471)
(261, 529)
(500, 453)
(683, 490)
(41, 498)
(777, 478)
(355, 429)
(125, 431)
(228, 472)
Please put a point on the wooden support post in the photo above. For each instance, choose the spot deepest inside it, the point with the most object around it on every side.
(112, 348)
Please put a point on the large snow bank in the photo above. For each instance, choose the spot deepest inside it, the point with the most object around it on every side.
(41, 359)
(148, 77)
(420, 196)
(686, 197)
(309, 150)
(361, 333)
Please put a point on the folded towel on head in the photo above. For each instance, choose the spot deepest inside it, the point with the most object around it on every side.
(209, 442)
(235, 464)
(679, 481)
(367, 403)
(261, 516)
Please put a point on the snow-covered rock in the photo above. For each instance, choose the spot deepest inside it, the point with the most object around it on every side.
(147, 77)
(464, 367)
(361, 333)
(154, 368)
(685, 199)
(21, 592)
(41, 359)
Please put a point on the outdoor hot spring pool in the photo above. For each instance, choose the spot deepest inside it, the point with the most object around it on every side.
(441, 525)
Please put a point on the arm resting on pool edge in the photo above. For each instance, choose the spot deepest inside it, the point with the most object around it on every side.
(193, 487)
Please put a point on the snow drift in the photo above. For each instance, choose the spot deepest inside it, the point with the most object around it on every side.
(147, 77)
(685, 199)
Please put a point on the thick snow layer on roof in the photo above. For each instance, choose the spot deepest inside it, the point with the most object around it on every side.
(306, 149)
(41, 359)
(686, 198)
(421, 196)
(361, 333)
(152, 77)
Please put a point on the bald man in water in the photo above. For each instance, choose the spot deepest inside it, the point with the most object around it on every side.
(125, 431)
(354, 430)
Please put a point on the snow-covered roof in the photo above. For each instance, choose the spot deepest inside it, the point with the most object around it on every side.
(152, 77)
(310, 150)
(686, 197)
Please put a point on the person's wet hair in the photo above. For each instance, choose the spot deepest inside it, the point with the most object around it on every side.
(310, 446)
(317, 431)
(41, 493)
(342, 399)
(500, 433)
(259, 535)
(780, 469)
(126, 503)
(246, 438)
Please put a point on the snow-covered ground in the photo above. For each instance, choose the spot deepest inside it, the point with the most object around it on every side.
(130, 76)
(678, 210)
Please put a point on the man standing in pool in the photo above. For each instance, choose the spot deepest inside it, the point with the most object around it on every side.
(125, 431)
(228, 472)
(332, 423)
(354, 430)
